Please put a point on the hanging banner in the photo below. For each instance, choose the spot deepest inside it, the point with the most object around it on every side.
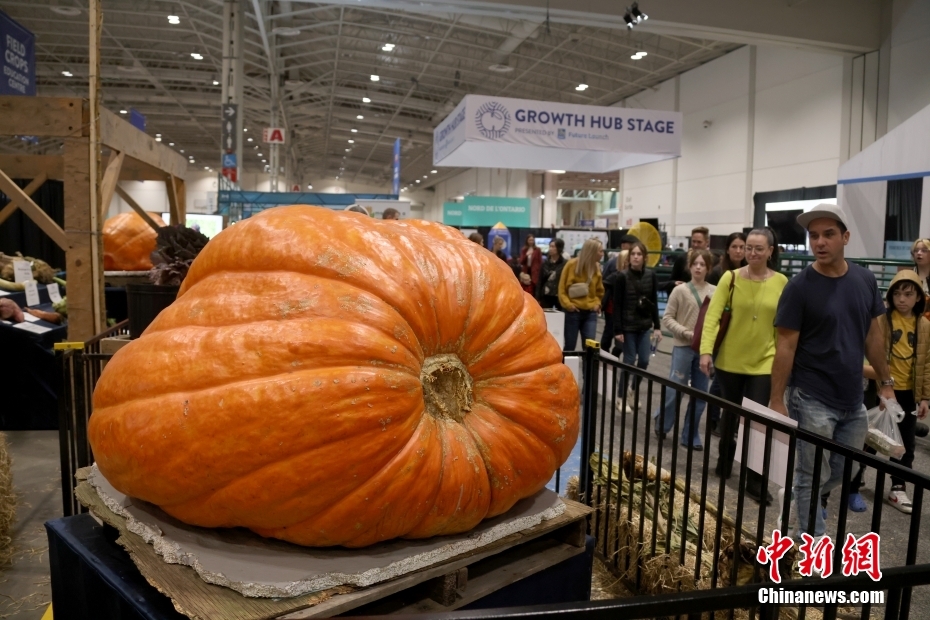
(19, 58)
(498, 132)
(488, 211)
(396, 168)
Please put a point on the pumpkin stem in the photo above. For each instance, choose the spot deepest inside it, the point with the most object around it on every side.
(447, 387)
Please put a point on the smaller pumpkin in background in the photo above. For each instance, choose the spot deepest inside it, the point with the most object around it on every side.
(128, 242)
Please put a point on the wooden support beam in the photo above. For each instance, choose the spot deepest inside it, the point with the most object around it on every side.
(33, 211)
(174, 206)
(95, 28)
(108, 185)
(119, 135)
(85, 307)
(136, 207)
(42, 116)
(30, 189)
(181, 193)
(28, 166)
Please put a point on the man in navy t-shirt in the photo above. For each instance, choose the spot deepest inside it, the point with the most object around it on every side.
(827, 322)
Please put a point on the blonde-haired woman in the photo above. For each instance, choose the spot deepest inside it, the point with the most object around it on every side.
(580, 291)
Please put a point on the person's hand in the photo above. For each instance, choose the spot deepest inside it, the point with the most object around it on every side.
(657, 334)
(597, 308)
(707, 364)
(570, 308)
(779, 407)
(922, 410)
(689, 335)
(887, 392)
(619, 338)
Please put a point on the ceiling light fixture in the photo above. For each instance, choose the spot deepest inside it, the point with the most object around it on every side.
(354, 130)
(216, 82)
(182, 150)
(634, 16)
(286, 31)
(196, 56)
(542, 196)
(433, 171)
(366, 100)
(418, 180)
(556, 171)
(250, 140)
(375, 78)
(245, 129)
(171, 144)
(360, 117)
(351, 141)
(158, 139)
(581, 87)
(174, 20)
(123, 112)
(639, 55)
(388, 47)
(309, 187)
(613, 189)
(67, 74)
(499, 68)
(68, 11)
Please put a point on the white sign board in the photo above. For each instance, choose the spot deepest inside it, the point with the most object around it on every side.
(778, 457)
(273, 135)
(498, 132)
(22, 271)
(32, 293)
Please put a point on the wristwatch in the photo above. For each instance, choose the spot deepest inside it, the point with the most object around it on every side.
(888, 382)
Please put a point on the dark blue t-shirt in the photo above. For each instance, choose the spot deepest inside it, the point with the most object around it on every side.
(833, 316)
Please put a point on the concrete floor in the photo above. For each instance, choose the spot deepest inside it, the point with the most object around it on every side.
(25, 588)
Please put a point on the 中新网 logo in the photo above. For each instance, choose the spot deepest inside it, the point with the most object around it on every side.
(492, 120)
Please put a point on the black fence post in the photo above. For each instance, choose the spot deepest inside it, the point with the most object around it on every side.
(592, 350)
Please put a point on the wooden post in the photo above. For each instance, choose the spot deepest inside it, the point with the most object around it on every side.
(82, 307)
(110, 179)
(95, 225)
(174, 206)
(182, 199)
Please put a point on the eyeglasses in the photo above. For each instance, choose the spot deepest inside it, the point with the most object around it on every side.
(921, 250)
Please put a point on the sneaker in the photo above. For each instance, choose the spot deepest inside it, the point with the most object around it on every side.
(856, 503)
(714, 430)
(898, 498)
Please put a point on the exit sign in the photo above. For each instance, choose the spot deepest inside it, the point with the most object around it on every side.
(273, 135)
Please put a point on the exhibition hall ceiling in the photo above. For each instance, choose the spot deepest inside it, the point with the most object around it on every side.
(325, 56)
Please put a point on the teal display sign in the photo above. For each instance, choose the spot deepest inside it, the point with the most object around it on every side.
(487, 211)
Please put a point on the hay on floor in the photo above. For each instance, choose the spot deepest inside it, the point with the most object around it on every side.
(7, 503)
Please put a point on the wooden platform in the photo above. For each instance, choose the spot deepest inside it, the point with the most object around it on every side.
(443, 587)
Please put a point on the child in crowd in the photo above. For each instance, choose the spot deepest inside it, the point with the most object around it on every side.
(907, 344)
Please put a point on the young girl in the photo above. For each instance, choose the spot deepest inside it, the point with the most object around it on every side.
(907, 345)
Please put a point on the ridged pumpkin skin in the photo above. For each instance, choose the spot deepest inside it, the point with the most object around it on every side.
(289, 389)
(128, 242)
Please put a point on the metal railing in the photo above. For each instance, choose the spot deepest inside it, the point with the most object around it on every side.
(618, 437)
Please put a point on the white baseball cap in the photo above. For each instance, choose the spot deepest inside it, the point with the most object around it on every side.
(823, 210)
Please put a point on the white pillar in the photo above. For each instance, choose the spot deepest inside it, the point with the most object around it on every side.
(550, 211)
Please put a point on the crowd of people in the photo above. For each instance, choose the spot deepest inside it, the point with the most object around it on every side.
(741, 329)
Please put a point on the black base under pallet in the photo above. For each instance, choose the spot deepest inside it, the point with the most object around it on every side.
(94, 578)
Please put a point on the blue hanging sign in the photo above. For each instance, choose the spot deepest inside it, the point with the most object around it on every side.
(229, 160)
(19, 58)
(136, 119)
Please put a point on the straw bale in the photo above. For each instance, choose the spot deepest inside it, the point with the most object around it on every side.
(7, 503)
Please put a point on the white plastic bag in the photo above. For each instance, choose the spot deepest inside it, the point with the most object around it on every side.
(883, 433)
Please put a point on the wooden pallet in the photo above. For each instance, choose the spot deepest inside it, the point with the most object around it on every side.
(442, 587)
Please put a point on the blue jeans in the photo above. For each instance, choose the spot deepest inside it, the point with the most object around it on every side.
(845, 427)
(586, 321)
(636, 348)
(686, 365)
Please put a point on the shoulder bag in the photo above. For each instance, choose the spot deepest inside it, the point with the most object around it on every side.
(579, 289)
(724, 318)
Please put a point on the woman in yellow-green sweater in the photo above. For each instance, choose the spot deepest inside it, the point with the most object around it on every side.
(744, 362)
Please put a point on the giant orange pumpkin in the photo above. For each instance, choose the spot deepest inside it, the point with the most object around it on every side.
(330, 379)
(128, 242)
